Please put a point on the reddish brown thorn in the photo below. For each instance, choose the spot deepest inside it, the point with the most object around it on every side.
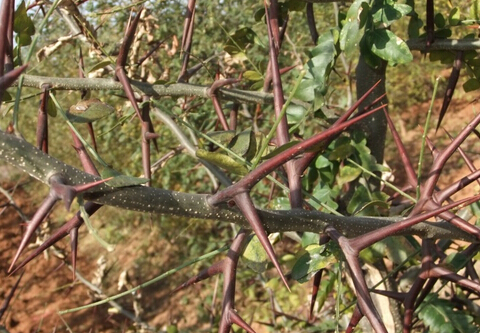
(407, 164)
(87, 162)
(41, 213)
(92, 135)
(452, 83)
(73, 247)
(270, 165)
(122, 77)
(441, 159)
(457, 186)
(68, 192)
(216, 103)
(151, 136)
(128, 39)
(432, 148)
(287, 69)
(7, 79)
(354, 320)
(74, 222)
(364, 300)
(122, 59)
(233, 116)
(372, 237)
(9, 297)
(234, 318)
(154, 136)
(390, 294)
(271, 13)
(245, 204)
(467, 160)
(352, 109)
(203, 275)
(316, 284)
(219, 84)
(151, 51)
(187, 40)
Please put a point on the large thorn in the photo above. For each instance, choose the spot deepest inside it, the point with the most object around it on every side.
(37, 218)
(244, 202)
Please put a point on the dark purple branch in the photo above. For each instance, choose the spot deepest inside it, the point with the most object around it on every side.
(311, 22)
(187, 39)
(452, 83)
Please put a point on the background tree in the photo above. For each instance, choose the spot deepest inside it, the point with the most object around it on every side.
(260, 117)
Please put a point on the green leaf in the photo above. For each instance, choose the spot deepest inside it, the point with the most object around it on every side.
(6, 97)
(121, 180)
(454, 16)
(414, 26)
(295, 6)
(387, 14)
(351, 32)
(320, 65)
(23, 25)
(445, 57)
(455, 261)
(309, 238)
(404, 9)
(280, 149)
(440, 316)
(439, 20)
(255, 256)
(252, 75)
(102, 64)
(325, 195)
(347, 174)
(244, 144)
(311, 262)
(389, 46)
(397, 249)
(371, 59)
(443, 33)
(87, 111)
(51, 108)
(223, 161)
(239, 40)
(475, 10)
(341, 152)
(306, 90)
(322, 162)
(295, 113)
(471, 84)
(325, 290)
(222, 137)
(258, 85)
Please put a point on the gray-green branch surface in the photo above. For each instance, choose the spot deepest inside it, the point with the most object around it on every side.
(41, 166)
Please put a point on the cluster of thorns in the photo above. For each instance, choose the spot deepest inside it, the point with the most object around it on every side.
(429, 204)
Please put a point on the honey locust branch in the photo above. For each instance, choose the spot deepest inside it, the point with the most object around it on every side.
(29, 159)
(153, 90)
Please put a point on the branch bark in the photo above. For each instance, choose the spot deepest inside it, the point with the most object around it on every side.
(155, 91)
(41, 166)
